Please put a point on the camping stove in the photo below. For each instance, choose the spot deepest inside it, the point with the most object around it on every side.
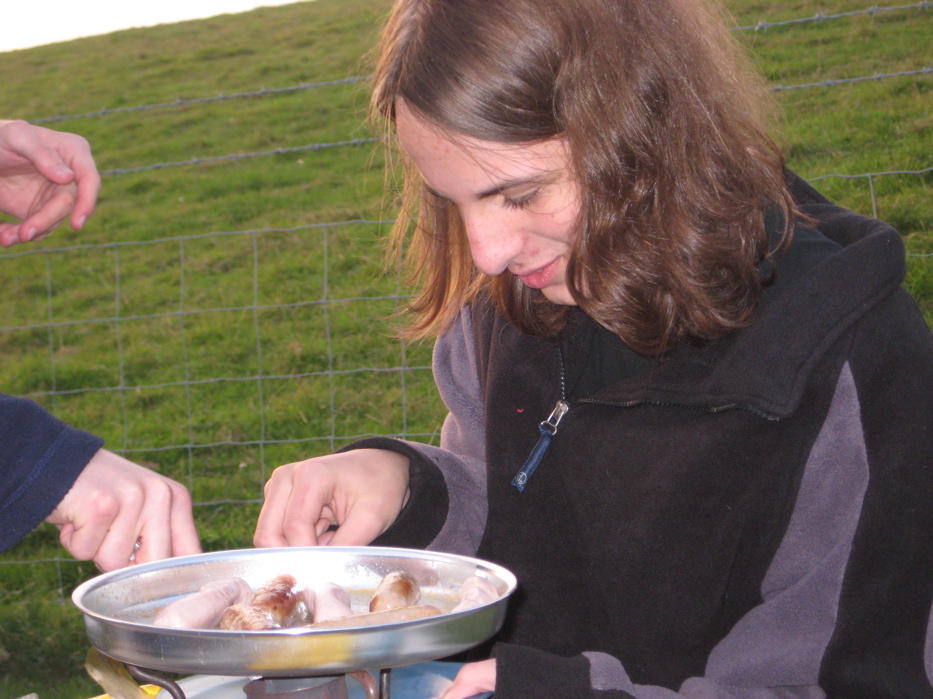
(321, 687)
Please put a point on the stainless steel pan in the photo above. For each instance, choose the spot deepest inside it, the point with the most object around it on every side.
(118, 608)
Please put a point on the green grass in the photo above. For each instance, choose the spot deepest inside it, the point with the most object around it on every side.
(151, 339)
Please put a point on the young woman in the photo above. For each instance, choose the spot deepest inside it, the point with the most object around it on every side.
(689, 400)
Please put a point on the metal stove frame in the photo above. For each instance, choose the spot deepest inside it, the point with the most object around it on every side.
(318, 687)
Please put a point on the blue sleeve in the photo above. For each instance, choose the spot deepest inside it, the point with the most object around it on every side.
(40, 459)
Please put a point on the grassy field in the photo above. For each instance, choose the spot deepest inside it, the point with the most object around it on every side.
(219, 318)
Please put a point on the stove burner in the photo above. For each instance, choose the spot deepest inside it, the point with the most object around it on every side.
(310, 687)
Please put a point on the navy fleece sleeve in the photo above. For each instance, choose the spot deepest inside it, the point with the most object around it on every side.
(39, 461)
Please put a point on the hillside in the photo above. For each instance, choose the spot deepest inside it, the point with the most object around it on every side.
(225, 312)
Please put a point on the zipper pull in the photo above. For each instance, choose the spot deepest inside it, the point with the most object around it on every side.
(548, 429)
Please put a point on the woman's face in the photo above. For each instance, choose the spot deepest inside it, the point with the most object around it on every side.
(518, 203)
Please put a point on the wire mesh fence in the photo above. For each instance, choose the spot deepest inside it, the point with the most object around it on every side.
(216, 356)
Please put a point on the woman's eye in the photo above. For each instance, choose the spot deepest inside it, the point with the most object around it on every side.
(521, 202)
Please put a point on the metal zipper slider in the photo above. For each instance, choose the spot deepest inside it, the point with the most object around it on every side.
(548, 429)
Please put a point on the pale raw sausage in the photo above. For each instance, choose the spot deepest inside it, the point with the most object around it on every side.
(203, 609)
(330, 601)
(475, 592)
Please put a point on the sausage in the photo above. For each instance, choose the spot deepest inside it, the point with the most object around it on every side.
(330, 602)
(246, 617)
(307, 597)
(203, 609)
(397, 590)
(475, 592)
(386, 616)
(278, 598)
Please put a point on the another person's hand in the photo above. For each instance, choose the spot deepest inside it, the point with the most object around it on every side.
(361, 491)
(473, 679)
(113, 504)
(45, 177)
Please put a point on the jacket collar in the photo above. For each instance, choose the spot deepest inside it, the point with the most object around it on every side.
(765, 367)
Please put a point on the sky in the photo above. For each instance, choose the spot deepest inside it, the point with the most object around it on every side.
(28, 23)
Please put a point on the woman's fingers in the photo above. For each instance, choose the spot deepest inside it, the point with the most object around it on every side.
(472, 680)
(359, 491)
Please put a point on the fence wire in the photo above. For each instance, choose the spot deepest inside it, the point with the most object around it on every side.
(328, 303)
(820, 17)
(264, 92)
(760, 26)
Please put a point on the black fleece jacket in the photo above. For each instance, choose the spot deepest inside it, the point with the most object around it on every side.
(751, 518)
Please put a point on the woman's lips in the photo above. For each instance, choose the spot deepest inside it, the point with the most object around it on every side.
(542, 277)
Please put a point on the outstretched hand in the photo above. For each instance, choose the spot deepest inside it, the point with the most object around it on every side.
(114, 504)
(45, 177)
(360, 491)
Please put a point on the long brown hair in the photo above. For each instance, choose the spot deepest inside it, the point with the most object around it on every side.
(667, 128)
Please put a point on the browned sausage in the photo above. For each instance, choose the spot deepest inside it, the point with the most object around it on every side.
(397, 590)
(278, 598)
(386, 616)
(246, 617)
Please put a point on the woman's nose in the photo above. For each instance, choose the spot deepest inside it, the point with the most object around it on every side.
(493, 243)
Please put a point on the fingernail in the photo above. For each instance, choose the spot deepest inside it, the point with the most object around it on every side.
(82, 221)
(32, 233)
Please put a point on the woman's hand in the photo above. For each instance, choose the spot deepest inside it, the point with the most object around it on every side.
(113, 504)
(45, 176)
(473, 679)
(361, 491)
